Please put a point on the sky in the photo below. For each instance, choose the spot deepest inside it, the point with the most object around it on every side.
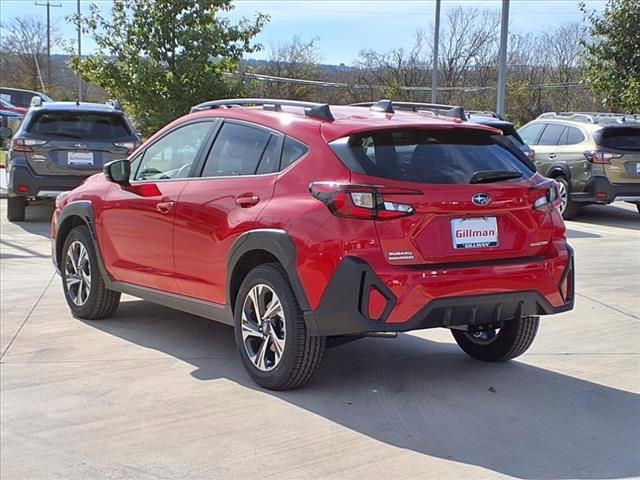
(343, 27)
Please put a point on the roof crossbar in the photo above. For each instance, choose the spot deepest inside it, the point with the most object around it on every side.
(320, 111)
(388, 106)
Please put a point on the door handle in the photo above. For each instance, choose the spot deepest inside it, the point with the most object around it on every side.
(245, 201)
(553, 155)
(164, 207)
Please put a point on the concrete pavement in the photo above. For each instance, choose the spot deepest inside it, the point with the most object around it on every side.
(155, 393)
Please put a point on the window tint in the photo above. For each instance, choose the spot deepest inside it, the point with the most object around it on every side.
(173, 155)
(620, 138)
(82, 125)
(432, 157)
(292, 151)
(237, 151)
(530, 133)
(571, 136)
(551, 134)
(271, 157)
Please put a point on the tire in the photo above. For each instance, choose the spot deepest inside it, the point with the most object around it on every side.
(570, 209)
(257, 340)
(15, 208)
(511, 341)
(96, 301)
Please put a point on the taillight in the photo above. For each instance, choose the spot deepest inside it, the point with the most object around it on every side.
(130, 146)
(548, 197)
(25, 144)
(596, 156)
(362, 201)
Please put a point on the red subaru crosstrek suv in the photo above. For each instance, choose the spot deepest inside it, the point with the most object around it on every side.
(305, 225)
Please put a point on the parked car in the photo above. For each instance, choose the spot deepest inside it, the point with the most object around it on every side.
(305, 225)
(21, 98)
(11, 120)
(60, 144)
(595, 157)
(508, 129)
(9, 107)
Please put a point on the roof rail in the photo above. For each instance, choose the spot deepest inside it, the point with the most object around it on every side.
(320, 111)
(484, 113)
(388, 106)
(594, 117)
(113, 103)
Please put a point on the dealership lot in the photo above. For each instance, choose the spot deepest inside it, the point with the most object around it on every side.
(155, 393)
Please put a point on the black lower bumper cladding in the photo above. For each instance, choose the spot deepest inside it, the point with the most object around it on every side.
(343, 309)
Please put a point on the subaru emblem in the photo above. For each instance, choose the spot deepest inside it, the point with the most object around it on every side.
(481, 199)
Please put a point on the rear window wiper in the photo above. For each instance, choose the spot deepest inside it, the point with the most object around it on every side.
(62, 134)
(488, 176)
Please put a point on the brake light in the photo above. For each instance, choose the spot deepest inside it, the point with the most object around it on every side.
(130, 146)
(362, 201)
(548, 197)
(596, 156)
(25, 144)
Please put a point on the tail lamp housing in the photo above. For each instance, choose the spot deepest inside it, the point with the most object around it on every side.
(599, 157)
(548, 196)
(368, 202)
(19, 144)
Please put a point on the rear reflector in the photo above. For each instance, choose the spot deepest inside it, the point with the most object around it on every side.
(362, 201)
(377, 304)
(22, 188)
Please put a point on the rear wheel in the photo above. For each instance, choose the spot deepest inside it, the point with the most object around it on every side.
(568, 208)
(84, 288)
(271, 333)
(498, 344)
(16, 208)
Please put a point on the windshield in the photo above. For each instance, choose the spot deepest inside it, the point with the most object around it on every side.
(449, 157)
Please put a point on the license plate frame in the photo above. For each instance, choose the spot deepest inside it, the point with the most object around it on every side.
(474, 232)
(80, 159)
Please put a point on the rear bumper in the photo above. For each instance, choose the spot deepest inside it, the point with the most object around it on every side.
(344, 308)
(600, 190)
(39, 186)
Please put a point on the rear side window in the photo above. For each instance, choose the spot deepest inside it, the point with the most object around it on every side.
(445, 157)
(292, 151)
(619, 138)
(551, 134)
(85, 125)
(571, 136)
(238, 150)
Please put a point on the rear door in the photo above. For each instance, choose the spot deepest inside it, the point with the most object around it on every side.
(75, 143)
(137, 221)
(455, 220)
(237, 180)
(624, 143)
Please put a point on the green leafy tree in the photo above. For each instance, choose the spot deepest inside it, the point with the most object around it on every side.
(161, 57)
(612, 54)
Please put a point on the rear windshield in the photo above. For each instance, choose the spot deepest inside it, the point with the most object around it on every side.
(434, 156)
(619, 138)
(84, 125)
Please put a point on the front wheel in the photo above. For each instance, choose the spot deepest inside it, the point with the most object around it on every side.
(498, 344)
(84, 288)
(270, 331)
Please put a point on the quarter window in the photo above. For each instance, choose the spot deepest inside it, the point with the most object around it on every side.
(292, 151)
(172, 155)
(238, 150)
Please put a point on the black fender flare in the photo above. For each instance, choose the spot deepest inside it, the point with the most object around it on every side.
(559, 168)
(279, 244)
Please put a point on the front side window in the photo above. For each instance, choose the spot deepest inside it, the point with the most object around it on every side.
(172, 156)
(531, 132)
(238, 150)
(551, 134)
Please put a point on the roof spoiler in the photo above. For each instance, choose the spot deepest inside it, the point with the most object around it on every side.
(321, 111)
(389, 106)
(114, 103)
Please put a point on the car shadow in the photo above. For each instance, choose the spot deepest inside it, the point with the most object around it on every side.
(608, 215)
(428, 397)
(38, 218)
(571, 233)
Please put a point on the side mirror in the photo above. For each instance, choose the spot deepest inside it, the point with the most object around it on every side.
(6, 132)
(118, 171)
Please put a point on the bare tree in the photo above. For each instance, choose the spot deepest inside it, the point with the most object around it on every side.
(24, 47)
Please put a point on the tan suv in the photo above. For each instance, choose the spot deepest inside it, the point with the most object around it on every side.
(595, 157)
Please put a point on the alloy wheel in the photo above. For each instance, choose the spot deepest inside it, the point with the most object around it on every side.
(263, 327)
(78, 273)
(563, 194)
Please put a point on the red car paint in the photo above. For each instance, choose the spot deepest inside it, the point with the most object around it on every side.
(176, 236)
(4, 105)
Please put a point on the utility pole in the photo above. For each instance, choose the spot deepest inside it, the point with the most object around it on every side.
(436, 42)
(49, 5)
(502, 58)
(79, 52)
